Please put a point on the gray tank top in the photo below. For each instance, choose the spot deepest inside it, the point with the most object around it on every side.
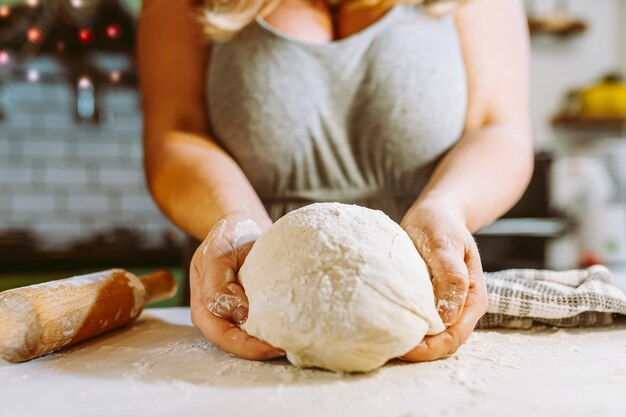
(360, 120)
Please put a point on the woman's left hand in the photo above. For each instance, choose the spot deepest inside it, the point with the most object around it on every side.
(448, 248)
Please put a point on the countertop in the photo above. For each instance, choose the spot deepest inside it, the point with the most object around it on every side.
(162, 366)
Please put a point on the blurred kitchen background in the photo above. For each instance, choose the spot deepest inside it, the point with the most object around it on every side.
(73, 196)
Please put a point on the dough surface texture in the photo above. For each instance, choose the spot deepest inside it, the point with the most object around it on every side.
(339, 287)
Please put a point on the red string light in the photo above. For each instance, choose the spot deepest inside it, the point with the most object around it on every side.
(4, 58)
(114, 31)
(85, 35)
(5, 11)
(115, 76)
(34, 35)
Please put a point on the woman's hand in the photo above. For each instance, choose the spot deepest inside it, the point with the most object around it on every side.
(448, 248)
(218, 301)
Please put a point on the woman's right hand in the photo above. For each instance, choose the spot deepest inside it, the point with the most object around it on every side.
(218, 301)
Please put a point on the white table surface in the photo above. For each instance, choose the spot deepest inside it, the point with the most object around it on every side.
(161, 366)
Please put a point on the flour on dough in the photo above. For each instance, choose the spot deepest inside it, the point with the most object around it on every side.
(340, 287)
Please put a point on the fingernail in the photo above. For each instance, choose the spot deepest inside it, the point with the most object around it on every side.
(240, 314)
(275, 353)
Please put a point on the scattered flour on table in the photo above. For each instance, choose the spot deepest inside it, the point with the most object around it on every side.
(158, 358)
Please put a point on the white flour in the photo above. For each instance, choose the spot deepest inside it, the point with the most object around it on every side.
(245, 231)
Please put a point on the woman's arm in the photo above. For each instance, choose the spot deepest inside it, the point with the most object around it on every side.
(489, 169)
(482, 176)
(191, 178)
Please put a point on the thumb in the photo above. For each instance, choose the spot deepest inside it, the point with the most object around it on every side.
(450, 283)
(229, 302)
(228, 298)
(221, 256)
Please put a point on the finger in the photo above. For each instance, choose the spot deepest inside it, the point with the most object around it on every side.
(475, 266)
(215, 244)
(221, 293)
(229, 246)
(447, 343)
(446, 261)
(244, 231)
(229, 338)
(229, 302)
(443, 344)
(477, 292)
(450, 283)
(241, 253)
(217, 289)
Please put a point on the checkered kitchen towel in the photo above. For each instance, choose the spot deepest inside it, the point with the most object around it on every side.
(519, 298)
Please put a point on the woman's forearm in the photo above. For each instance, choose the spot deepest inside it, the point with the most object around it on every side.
(196, 183)
(193, 180)
(484, 175)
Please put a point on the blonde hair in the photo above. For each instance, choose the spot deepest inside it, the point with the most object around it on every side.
(222, 19)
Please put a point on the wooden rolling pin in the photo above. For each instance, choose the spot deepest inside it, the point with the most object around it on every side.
(42, 318)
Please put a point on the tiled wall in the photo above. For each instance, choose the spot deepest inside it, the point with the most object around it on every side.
(65, 181)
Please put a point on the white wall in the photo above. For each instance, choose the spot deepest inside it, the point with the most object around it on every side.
(622, 33)
(560, 65)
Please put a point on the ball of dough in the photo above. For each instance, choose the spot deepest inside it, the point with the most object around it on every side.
(340, 287)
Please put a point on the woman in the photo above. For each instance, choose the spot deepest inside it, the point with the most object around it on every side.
(383, 105)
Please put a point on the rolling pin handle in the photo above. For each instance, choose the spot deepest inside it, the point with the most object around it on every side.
(160, 285)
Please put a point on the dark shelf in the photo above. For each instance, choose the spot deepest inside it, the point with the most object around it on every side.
(21, 251)
(566, 29)
(29, 259)
(589, 123)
